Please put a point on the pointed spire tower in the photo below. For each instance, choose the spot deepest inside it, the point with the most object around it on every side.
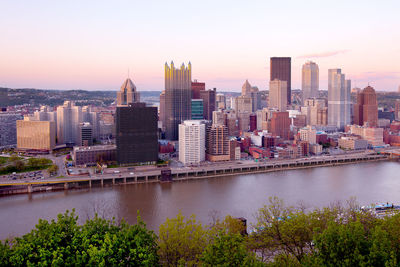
(246, 88)
(127, 94)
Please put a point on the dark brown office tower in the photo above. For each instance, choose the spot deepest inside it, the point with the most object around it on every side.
(208, 97)
(178, 95)
(197, 88)
(280, 125)
(366, 109)
(136, 134)
(280, 68)
(253, 122)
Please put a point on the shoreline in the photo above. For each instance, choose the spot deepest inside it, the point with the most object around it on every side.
(75, 183)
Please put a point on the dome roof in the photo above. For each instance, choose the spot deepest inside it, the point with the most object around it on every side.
(368, 90)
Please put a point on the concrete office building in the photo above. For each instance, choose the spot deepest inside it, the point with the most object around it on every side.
(231, 123)
(36, 135)
(352, 143)
(243, 121)
(220, 101)
(277, 95)
(127, 94)
(243, 104)
(280, 69)
(136, 134)
(366, 109)
(316, 111)
(91, 155)
(197, 109)
(374, 136)
(339, 102)
(280, 125)
(218, 118)
(217, 144)
(308, 134)
(310, 80)
(192, 142)
(85, 134)
(208, 97)
(178, 93)
(262, 117)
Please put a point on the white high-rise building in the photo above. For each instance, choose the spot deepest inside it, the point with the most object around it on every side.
(68, 118)
(339, 102)
(192, 142)
(310, 80)
(278, 95)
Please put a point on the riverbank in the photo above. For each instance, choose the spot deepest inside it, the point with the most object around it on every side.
(182, 174)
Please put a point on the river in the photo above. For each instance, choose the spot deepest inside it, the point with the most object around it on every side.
(239, 196)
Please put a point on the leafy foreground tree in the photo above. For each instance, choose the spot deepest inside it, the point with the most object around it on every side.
(98, 242)
(186, 242)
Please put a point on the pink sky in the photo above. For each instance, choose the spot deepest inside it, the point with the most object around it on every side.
(71, 45)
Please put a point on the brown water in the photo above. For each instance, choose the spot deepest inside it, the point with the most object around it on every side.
(238, 195)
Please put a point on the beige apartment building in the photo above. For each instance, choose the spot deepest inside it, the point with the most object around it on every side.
(36, 135)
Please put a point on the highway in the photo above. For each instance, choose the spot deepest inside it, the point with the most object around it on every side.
(220, 167)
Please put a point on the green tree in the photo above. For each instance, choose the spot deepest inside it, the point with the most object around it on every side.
(98, 242)
(53, 169)
(19, 165)
(228, 249)
(343, 245)
(181, 241)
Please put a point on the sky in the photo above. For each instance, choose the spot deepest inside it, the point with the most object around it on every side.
(92, 45)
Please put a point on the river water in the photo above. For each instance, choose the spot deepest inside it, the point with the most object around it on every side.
(239, 196)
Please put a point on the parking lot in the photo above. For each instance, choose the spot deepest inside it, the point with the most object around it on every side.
(34, 175)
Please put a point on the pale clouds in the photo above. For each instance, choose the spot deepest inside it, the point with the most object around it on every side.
(324, 54)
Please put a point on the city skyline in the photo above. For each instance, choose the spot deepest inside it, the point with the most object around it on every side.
(76, 45)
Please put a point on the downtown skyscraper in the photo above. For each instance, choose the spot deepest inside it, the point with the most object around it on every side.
(310, 80)
(178, 94)
(339, 102)
(281, 69)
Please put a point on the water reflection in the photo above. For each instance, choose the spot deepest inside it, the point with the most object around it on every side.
(235, 195)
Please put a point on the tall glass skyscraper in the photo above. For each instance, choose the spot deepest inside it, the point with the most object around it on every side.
(310, 80)
(339, 102)
(178, 94)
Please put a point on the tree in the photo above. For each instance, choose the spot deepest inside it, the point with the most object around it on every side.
(228, 249)
(181, 241)
(53, 169)
(19, 165)
(98, 242)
